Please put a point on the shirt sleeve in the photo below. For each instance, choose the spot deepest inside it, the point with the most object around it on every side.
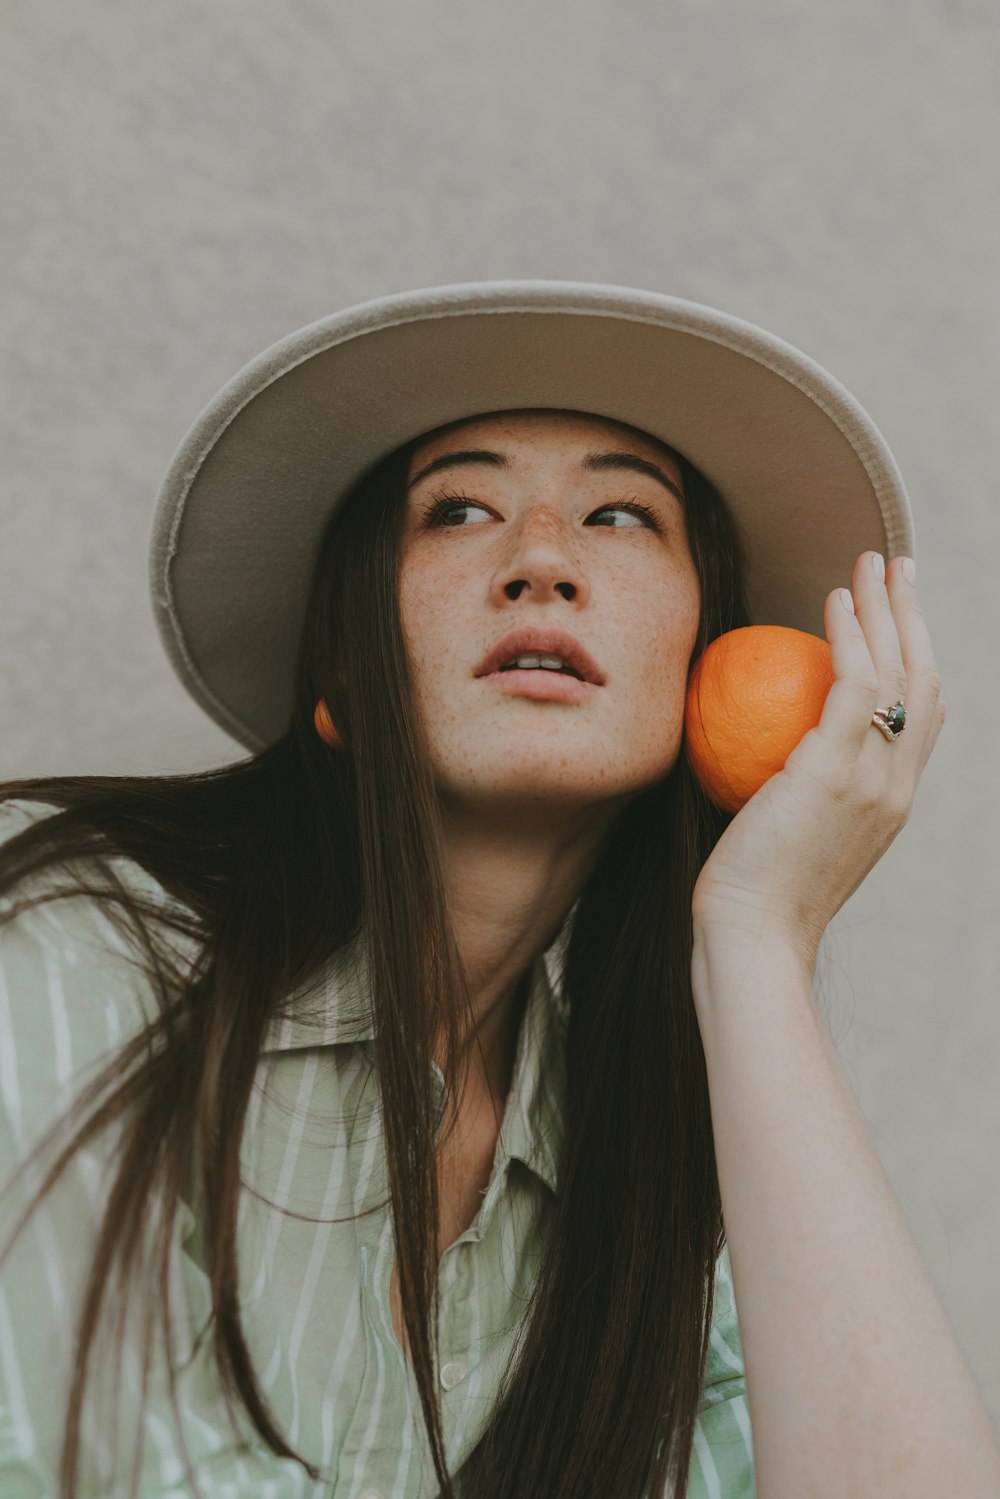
(70, 994)
(722, 1461)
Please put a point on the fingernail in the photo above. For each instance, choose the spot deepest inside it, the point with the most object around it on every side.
(909, 570)
(878, 566)
(846, 600)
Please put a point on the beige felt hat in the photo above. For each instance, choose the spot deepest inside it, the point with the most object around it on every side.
(238, 520)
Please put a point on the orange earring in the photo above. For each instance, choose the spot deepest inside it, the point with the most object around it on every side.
(325, 726)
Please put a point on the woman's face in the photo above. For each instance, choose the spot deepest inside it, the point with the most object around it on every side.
(540, 531)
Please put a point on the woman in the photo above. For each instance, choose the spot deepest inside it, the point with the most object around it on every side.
(454, 1043)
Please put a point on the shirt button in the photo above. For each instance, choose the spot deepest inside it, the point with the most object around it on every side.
(453, 1374)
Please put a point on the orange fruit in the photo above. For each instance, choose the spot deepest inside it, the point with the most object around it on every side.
(751, 696)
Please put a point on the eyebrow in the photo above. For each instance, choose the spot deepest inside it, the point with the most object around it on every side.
(594, 462)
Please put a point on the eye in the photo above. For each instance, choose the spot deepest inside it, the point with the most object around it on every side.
(445, 509)
(646, 515)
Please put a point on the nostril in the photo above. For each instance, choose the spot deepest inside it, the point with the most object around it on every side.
(513, 590)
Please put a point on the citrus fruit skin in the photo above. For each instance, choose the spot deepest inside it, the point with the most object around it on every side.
(751, 696)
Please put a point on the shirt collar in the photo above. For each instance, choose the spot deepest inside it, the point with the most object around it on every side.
(335, 1009)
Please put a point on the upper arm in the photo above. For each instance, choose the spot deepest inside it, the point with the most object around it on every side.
(71, 994)
(69, 997)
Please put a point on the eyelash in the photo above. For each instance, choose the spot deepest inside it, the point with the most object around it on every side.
(443, 499)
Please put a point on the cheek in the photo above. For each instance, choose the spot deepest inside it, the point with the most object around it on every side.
(665, 619)
(430, 610)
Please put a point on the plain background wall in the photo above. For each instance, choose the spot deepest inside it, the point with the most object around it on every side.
(186, 183)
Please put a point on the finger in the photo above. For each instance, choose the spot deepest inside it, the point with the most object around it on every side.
(875, 612)
(925, 710)
(853, 698)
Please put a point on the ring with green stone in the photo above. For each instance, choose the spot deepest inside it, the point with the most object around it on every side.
(891, 721)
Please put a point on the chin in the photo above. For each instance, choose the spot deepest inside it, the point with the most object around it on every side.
(549, 782)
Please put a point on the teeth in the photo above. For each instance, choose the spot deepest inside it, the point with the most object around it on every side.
(550, 663)
(531, 662)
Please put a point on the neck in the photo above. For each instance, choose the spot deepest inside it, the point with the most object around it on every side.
(509, 885)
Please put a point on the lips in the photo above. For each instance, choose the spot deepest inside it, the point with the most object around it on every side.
(534, 641)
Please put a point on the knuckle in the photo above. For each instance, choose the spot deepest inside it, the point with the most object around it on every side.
(930, 680)
(869, 799)
(899, 805)
(841, 784)
(898, 682)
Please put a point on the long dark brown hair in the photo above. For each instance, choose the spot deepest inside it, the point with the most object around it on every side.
(280, 859)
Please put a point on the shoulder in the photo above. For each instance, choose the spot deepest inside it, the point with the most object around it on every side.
(19, 813)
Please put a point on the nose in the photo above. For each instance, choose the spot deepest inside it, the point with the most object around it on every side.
(540, 561)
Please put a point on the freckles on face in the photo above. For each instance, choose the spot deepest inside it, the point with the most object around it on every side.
(541, 547)
(640, 627)
(650, 625)
(438, 596)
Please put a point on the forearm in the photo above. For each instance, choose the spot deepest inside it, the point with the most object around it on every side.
(856, 1385)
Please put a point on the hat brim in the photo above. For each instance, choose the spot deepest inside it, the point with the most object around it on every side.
(803, 469)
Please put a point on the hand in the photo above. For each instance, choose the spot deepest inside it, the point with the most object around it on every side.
(801, 846)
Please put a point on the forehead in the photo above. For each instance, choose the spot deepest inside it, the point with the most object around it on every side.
(540, 426)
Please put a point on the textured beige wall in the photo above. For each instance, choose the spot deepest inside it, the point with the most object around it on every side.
(184, 183)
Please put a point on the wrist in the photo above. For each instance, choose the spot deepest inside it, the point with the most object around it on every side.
(726, 956)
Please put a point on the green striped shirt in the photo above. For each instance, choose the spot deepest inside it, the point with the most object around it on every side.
(314, 1296)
